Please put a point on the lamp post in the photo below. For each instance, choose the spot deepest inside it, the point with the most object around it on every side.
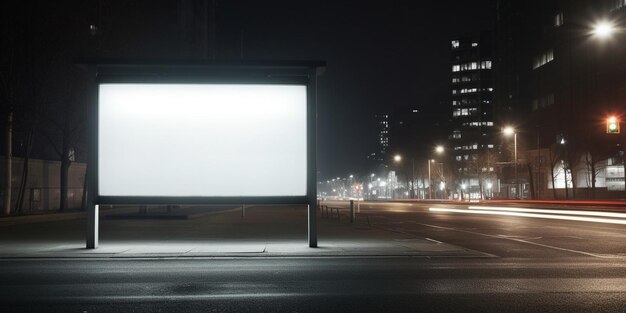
(430, 189)
(397, 159)
(438, 150)
(508, 131)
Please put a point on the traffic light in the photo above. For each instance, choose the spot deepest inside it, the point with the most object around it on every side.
(612, 125)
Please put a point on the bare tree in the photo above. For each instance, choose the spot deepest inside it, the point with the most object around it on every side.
(554, 158)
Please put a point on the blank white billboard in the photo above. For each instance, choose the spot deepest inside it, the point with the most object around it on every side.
(202, 140)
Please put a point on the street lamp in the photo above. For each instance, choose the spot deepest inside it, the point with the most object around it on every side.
(508, 131)
(603, 29)
(397, 158)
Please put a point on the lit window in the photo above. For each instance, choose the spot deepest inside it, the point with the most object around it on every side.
(543, 59)
(474, 44)
(485, 65)
(558, 18)
(456, 68)
(455, 44)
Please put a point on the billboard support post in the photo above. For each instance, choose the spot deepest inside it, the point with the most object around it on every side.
(312, 156)
(92, 225)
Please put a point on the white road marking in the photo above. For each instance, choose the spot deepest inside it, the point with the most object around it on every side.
(604, 256)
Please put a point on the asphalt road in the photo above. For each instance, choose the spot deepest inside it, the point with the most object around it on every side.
(311, 285)
(535, 265)
(503, 236)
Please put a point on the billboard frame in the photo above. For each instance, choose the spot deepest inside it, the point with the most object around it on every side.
(301, 73)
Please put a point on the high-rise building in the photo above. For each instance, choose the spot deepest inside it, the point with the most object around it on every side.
(557, 81)
(472, 108)
(383, 136)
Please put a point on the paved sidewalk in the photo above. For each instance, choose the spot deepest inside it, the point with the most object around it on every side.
(263, 232)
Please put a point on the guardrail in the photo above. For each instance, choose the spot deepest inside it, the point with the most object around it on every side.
(332, 211)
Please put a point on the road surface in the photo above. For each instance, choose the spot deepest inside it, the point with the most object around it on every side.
(527, 265)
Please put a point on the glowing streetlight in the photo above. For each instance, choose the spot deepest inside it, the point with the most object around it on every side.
(397, 158)
(603, 29)
(439, 149)
(508, 131)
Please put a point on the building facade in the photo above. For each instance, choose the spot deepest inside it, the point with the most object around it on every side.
(472, 95)
(383, 137)
(557, 82)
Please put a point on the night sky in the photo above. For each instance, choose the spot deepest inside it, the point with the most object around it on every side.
(380, 55)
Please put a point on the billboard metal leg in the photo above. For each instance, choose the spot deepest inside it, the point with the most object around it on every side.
(92, 226)
(312, 212)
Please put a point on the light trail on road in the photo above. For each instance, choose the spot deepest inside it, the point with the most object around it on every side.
(567, 212)
(532, 215)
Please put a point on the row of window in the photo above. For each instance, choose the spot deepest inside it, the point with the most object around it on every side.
(466, 78)
(473, 147)
(465, 112)
(469, 90)
(468, 101)
(485, 65)
(456, 44)
(543, 59)
(478, 124)
(468, 147)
